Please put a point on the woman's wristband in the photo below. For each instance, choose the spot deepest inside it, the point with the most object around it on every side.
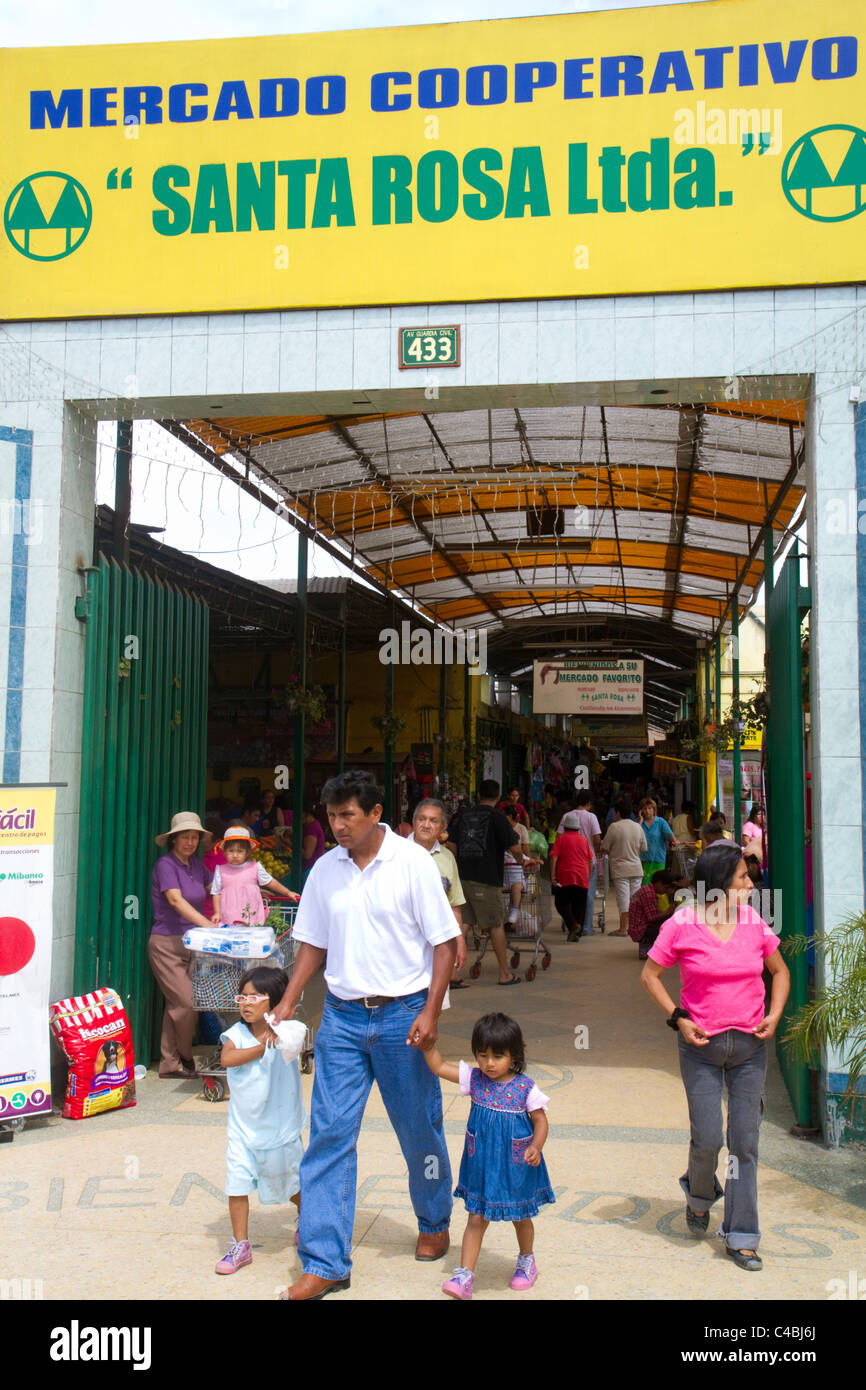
(673, 1021)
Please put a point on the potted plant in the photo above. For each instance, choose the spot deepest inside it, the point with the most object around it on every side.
(306, 700)
(836, 1017)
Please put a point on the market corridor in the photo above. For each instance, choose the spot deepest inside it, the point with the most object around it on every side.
(129, 1205)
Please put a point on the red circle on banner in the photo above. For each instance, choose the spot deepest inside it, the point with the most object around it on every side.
(17, 944)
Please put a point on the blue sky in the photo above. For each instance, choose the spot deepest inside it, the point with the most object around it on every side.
(104, 21)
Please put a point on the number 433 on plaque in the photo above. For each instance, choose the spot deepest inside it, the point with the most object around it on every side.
(429, 347)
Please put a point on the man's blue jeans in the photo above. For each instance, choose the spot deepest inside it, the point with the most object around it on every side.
(739, 1061)
(356, 1046)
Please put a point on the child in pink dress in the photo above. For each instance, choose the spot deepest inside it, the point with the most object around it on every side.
(237, 884)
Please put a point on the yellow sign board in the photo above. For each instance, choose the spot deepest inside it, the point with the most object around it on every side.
(691, 147)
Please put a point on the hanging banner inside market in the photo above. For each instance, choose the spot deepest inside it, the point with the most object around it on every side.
(26, 886)
(605, 734)
(689, 147)
(587, 687)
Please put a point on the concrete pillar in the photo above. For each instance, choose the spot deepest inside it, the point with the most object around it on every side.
(838, 701)
(46, 535)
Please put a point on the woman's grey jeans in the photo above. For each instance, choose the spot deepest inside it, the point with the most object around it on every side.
(740, 1061)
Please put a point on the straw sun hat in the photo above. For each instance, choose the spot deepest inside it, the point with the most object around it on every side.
(184, 820)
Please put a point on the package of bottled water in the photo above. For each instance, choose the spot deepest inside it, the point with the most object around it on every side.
(242, 943)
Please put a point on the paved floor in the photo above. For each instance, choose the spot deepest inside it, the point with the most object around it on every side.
(130, 1205)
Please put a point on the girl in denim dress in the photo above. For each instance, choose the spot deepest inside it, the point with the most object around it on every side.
(503, 1176)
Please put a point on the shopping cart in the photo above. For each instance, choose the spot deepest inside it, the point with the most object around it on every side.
(215, 983)
(533, 916)
(683, 861)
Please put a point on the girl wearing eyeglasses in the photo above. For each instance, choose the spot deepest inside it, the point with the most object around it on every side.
(266, 1112)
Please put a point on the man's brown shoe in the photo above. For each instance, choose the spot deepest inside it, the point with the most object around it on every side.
(432, 1245)
(310, 1287)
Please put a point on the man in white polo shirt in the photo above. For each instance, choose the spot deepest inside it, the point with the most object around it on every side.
(374, 907)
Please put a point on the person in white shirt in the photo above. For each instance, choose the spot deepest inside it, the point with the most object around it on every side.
(429, 822)
(624, 842)
(374, 906)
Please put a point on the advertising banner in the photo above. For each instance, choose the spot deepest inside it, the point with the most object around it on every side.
(750, 779)
(587, 687)
(26, 890)
(624, 732)
(685, 147)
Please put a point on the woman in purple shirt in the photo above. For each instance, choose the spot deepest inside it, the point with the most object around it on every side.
(313, 842)
(179, 885)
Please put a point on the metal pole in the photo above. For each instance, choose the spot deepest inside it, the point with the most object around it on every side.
(708, 715)
(718, 715)
(768, 566)
(341, 694)
(122, 490)
(467, 729)
(388, 808)
(301, 673)
(738, 762)
(443, 719)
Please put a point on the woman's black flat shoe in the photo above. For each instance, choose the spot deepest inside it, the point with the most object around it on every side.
(746, 1259)
(697, 1221)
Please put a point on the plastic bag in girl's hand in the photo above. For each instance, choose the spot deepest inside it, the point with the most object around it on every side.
(290, 1034)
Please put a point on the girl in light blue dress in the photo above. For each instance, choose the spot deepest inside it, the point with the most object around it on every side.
(266, 1112)
(503, 1176)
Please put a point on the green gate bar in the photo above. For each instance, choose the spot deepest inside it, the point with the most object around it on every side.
(144, 738)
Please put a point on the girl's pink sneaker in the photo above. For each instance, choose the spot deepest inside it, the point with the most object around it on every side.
(459, 1285)
(239, 1255)
(525, 1274)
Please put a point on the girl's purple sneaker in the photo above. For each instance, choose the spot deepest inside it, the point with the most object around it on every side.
(459, 1285)
(525, 1274)
(239, 1255)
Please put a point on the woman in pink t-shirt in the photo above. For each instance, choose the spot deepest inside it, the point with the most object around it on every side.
(721, 946)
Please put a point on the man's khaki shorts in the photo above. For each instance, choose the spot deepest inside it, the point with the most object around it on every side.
(486, 905)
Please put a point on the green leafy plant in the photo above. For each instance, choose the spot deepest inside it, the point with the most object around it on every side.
(390, 726)
(748, 717)
(836, 1017)
(306, 700)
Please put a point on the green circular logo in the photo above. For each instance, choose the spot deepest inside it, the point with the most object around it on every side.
(47, 216)
(810, 186)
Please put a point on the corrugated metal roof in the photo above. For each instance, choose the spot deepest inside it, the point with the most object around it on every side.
(663, 506)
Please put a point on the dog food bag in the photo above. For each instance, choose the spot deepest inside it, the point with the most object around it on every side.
(95, 1035)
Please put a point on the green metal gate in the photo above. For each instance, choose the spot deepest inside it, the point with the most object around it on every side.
(143, 758)
(786, 803)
